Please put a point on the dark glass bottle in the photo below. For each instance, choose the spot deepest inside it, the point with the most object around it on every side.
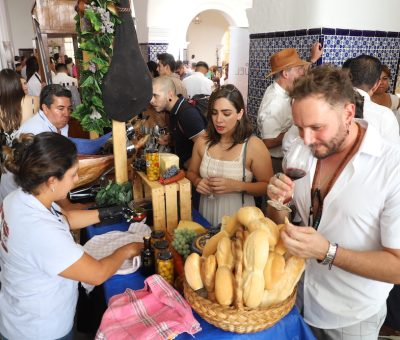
(147, 256)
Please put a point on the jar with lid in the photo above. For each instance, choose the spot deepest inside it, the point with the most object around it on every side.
(147, 267)
(160, 246)
(165, 266)
(152, 164)
(157, 235)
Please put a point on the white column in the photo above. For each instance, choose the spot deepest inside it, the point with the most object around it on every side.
(6, 56)
(239, 59)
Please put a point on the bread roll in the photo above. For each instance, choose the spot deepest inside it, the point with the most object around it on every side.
(209, 267)
(230, 224)
(224, 286)
(274, 270)
(211, 246)
(192, 271)
(267, 225)
(247, 214)
(224, 253)
(284, 287)
(256, 251)
(280, 247)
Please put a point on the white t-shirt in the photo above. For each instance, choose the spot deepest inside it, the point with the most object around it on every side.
(63, 78)
(34, 85)
(360, 213)
(197, 83)
(36, 245)
(274, 115)
(36, 124)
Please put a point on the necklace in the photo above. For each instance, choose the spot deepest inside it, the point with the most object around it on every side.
(317, 199)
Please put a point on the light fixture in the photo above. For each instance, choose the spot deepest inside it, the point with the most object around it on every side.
(197, 20)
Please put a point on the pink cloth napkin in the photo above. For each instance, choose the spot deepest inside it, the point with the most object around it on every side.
(155, 312)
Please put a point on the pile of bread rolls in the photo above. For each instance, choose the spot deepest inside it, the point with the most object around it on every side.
(245, 264)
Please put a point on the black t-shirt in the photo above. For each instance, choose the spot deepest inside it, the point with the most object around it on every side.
(185, 122)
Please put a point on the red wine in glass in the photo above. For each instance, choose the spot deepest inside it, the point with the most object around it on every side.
(294, 173)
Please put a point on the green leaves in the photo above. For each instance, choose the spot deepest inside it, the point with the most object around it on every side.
(114, 194)
(97, 43)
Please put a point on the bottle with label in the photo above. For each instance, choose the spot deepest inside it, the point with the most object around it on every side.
(147, 257)
(165, 266)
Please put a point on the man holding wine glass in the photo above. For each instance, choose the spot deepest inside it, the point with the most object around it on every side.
(348, 204)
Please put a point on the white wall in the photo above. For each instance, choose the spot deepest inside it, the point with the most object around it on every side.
(205, 37)
(20, 23)
(142, 30)
(283, 15)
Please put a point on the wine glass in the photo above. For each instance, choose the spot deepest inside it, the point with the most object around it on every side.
(295, 165)
(212, 171)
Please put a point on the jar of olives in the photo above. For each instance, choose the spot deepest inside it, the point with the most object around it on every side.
(152, 164)
(165, 266)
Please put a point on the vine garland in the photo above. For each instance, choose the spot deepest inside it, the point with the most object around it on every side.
(95, 31)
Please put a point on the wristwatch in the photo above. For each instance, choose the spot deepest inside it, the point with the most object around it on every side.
(330, 255)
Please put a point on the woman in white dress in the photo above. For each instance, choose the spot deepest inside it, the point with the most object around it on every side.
(225, 161)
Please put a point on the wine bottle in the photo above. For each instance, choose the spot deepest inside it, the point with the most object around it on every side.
(147, 267)
(84, 194)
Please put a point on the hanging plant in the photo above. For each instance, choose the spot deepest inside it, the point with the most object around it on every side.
(95, 31)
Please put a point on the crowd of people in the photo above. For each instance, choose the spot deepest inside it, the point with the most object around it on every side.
(345, 206)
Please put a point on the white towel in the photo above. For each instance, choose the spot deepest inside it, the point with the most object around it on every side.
(101, 246)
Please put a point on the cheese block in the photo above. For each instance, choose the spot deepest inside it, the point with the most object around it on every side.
(167, 160)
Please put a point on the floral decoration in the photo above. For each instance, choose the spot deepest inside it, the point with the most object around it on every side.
(95, 37)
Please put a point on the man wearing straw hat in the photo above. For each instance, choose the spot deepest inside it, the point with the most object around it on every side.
(275, 112)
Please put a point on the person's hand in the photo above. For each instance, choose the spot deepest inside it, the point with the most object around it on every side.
(163, 139)
(221, 185)
(280, 188)
(203, 187)
(304, 242)
(316, 52)
(132, 249)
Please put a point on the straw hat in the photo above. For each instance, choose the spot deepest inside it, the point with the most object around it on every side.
(285, 59)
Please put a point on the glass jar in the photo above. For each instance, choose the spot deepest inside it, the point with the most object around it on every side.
(152, 164)
(160, 246)
(157, 235)
(165, 266)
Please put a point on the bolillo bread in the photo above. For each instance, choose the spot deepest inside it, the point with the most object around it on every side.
(224, 286)
(193, 271)
(255, 252)
(274, 270)
(247, 214)
(280, 247)
(267, 225)
(284, 287)
(224, 253)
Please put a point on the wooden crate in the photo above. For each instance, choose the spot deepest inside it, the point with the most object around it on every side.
(171, 202)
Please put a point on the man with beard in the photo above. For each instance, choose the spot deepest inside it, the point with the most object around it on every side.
(348, 207)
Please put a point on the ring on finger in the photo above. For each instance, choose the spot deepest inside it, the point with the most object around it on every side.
(278, 175)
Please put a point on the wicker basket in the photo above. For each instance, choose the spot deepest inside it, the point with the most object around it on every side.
(239, 321)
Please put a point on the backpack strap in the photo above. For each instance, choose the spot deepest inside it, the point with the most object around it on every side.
(244, 166)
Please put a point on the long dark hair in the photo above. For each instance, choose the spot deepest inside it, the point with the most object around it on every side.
(33, 159)
(243, 129)
(11, 94)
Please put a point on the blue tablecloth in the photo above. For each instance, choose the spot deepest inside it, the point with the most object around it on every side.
(292, 326)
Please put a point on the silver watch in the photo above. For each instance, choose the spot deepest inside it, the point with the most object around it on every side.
(330, 255)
